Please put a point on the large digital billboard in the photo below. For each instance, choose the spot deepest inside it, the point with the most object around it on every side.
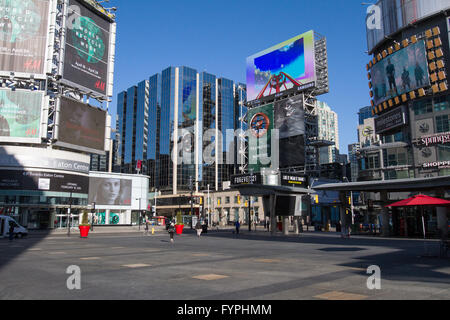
(23, 36)
(290, 117)
(401, 72)
(261, 123)
(87, 49)
(282, 67)
(81, 126)
(20, 115)
(110, 191)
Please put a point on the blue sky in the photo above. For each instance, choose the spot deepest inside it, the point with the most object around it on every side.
(218, 36)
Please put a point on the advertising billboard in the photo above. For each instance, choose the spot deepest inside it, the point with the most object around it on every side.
(390, 120)
(401, 72)
(43, 181)
(292, 151)
(282, 67)
(290, 117)
(261, 123)
(24, 26)
(87, 51)
(20, 115)
(81, 126)
(110, 191)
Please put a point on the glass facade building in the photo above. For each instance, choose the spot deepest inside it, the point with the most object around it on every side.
(177, 123)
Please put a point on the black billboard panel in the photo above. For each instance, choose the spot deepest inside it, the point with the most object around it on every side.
(87, 49)
(81, 126)
(390, 120)
(241, 179)
(289, 117)
(292, 151)
(294, 180)
(23, 36)
(43, 181)
(110, 191)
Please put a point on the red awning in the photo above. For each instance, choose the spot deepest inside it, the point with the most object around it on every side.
(420, 200)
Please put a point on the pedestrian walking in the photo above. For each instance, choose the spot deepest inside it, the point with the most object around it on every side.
(198, 228)
(11, 231)
(171, 231)
(147, 223)
(238, 225)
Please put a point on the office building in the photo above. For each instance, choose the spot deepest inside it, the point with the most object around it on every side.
(178, 127)
(328, 129)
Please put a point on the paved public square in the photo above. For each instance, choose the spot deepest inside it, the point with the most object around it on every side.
(221, 266)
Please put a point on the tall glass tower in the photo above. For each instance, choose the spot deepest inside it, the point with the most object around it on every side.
(180, 126)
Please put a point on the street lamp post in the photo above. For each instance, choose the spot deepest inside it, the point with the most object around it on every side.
(154, 211)
(209, 212)
(191, 189)
(139, 214)
(93, 215)
(69, 214)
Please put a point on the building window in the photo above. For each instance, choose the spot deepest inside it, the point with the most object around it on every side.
(444, 152)
(441, 104)
(373, 161)
(442, 123)
(423, 107)
(227, 200)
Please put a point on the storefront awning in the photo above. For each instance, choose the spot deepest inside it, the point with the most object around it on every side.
(418, 184)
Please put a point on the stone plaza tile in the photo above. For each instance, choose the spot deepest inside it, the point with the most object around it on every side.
(210, 277)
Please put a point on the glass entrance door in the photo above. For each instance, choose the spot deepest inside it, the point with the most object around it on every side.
(62, 221)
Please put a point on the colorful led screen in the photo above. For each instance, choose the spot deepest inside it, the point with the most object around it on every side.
(401, 72)
(281, 67)
(20, 113)
(23, 35)
(86, 53)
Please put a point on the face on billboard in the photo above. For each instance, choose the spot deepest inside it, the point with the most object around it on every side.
(290, 117)
(401, 72)
(110, 191)
(20, 113)
(81, 125)
(281, 67)
(87, 42)
(23, 35)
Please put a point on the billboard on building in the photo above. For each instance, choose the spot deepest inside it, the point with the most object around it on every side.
(292, 151)
(391, 120)
(282, 67)
(110, 190)
(21, 115)
(43, 181)
(87, 49)
(80, 126)
(261, 123)
(401, 72)
(290, 117)
(24, 29)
